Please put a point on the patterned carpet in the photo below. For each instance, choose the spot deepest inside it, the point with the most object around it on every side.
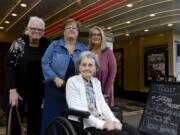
(132, 110)
(129, 105)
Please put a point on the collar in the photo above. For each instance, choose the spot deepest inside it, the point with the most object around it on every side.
(77, 45)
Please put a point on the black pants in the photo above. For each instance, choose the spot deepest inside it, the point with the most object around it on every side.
(33, 116)
(130, 129)
(126, 130)
(95, 131)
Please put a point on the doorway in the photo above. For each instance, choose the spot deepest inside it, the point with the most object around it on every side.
(118, 83)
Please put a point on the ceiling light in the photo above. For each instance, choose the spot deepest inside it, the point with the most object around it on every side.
(6, 22)
(128, 22)
(127, 34)
(170, 24)
(14, 14)
(146, 30)
(108, 28)
(129, 5)
(152, 15)
(1, 28)
(23, 5)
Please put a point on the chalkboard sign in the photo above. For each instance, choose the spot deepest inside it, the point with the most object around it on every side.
(162, 111)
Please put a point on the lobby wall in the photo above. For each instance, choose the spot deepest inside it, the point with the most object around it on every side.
(134, 57)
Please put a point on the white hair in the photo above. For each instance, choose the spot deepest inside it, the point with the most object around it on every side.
(35, 18)
(89, 54)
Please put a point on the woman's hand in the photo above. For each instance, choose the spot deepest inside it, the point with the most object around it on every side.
(13, 97)
(108, 125)
(111, 125)
(117, 125)
(58, 82)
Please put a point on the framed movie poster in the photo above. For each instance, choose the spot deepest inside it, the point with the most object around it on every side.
(155, 63)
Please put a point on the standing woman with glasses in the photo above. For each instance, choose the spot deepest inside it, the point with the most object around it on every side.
(108, 67)
(58, 64)
(24, 76)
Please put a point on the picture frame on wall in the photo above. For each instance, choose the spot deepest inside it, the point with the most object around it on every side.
(155, 63)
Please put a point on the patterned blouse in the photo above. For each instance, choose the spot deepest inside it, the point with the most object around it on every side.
(91, 99)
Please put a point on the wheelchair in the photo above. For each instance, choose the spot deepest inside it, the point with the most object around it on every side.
(71, 123)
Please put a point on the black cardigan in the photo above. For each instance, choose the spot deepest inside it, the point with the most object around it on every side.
(16, 67)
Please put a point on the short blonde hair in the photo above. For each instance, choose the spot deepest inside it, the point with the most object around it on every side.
(103, 43)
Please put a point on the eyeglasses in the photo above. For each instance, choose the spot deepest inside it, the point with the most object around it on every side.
(96, 35)
(70, 28)
(36, 29)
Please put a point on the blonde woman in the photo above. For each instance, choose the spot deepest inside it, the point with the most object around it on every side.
(108, 67)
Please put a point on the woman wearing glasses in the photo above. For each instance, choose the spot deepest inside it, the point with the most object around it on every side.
(58, 64)
(24, 76)
(83, 92)
(107, 71)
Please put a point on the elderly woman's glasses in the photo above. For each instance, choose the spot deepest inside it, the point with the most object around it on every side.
(36, 29)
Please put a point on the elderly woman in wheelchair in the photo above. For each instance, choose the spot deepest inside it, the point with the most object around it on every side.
(83, 92)
(86, 102)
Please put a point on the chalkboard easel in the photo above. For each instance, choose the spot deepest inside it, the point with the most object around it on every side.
(161, 115)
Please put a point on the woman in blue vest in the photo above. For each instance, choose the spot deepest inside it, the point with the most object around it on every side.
(58, 64)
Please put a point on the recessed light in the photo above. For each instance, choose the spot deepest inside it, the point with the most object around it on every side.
(23, 5)
(129, 5)
(146, 30)
(109, 28)
(14, 14)
(152, 15)
(1, 27)
(170, 24)
(128, 22)
(6, 22)
(127, 34)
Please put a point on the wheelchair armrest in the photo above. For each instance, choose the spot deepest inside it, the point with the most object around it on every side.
(78, 113)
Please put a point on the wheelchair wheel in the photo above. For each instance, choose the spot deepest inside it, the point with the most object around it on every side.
(60, 126)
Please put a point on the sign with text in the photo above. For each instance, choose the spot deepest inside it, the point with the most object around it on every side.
(162, 111)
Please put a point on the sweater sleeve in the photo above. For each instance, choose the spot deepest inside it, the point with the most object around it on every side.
(14, 53)
(112, 69)
(11, 71)
(73, 97)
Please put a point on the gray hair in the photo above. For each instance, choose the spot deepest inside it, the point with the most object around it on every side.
(89, 54)
(35, 18)
(70, 21)
(103, 43)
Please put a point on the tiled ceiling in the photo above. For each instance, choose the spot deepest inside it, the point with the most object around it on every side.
(112, 15)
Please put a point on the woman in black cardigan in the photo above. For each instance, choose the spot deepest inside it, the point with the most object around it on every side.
(24, 76)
